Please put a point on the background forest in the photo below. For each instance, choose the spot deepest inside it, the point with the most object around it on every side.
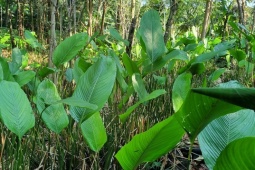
(127, 84)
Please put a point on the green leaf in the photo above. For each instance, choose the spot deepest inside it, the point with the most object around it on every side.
(181, 89)
(239, 154)
(150, 145)
(95, 87)
(130, 66)
(216, 74)
(199, 110)
(223, 130)
(16, 62)
(243, 97)
(15, 109)
(197, 68)
(94, 132)
(154, 94)
(80, 66)
(45, 71)
(69, 74)
(161, 62)
(207, 56)
(54, 115)
(24, 77)
(238, 54)
(115, 34)
(31, 40)
(77, 102)
(5, 68)
(139, 86)
(152, 34)
(68, 48)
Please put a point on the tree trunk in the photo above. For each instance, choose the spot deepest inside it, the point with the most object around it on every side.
(52, 31)
(253, 20)
(103, 18)
(170, 20)
(208, 10)
(90, 13)
(241, 5)
(118, 17)
(131, 28)
(20, 18)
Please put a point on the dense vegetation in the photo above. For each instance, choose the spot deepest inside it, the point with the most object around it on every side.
(127, 85)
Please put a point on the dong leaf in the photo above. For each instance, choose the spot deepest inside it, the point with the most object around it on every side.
(16, 62)
(199, 110)
(68, 48)
(152, 35)
(54, 115)
(139, 86)
(77, 102)
(31, 40)
(239, 154)
(150, 96)
(24, 77)
(151, 144)
(15, 109)
(94, 132)
(180, 90)
(5, 70)
(130, 65)
(95, 87)
(223, 130)
(160, 63)
(244, 97)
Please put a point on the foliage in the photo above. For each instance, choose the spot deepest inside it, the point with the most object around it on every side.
(96, 102)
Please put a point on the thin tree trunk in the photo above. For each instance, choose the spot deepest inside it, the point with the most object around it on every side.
(208, 10)
(240, 5)
(103, 17)
(118, 17)
(90, 13)
(20, 18)
(31, 9)
(52, 31)
(253, 20)
(74, 16)
(170, 20)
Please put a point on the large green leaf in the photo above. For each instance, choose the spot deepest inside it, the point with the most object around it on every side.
(139, 86)
(24, 77)
(95, 87)
(77, 102)
(152, 34)
(115, 34)
(130, 65)
(150, 96)
(31, 40)
(244, 97)
(150, 145)
(239, 154)
(223, 130)
(54, 115)
(5, 70)
(68, 48)
(221, 48)
(173, 55)
(94, 132)
(199, 110)
(15, 109)
(181, 89)
(16, 62)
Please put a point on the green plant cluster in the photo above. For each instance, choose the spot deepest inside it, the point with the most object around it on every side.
(217, 116)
